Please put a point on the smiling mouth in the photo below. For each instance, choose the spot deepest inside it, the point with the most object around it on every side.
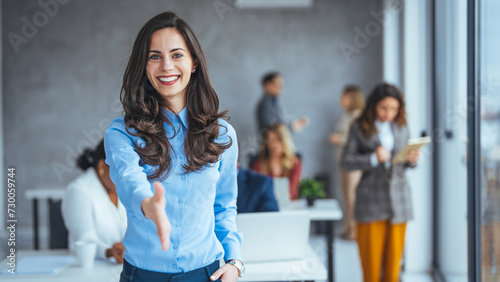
(169, 80)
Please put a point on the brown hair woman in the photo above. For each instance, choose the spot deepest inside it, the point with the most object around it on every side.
(383, 201)
(173, 160)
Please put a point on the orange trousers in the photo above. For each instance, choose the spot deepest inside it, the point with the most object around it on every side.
(381, 246)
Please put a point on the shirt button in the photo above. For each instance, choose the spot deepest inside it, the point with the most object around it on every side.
(179, 137)
(180, 200)
(181, 157)
(175, 247)
(177, 224)
(183, 177)
(174, 265)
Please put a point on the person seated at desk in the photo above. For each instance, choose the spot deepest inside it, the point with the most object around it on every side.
(91, 209)
(277, 157)
(255, 192)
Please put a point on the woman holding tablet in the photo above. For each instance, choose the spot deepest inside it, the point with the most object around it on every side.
(173, 160)
(383, 201)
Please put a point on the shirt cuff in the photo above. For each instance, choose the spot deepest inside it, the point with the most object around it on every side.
(235, 253)
(373, 159)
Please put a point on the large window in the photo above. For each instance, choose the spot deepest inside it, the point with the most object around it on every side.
(488, 87)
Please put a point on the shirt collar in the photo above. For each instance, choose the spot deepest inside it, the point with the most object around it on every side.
(172, 117)
(381, 125)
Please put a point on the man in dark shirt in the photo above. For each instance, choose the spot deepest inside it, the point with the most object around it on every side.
(269, 109)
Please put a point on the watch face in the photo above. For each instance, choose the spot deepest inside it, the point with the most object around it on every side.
(239, 266)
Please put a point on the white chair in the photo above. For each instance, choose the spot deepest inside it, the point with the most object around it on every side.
(281, 192)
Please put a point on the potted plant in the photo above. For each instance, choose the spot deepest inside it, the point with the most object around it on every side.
(311, 189)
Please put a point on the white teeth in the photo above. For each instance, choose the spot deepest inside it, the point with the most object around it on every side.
(169, 79)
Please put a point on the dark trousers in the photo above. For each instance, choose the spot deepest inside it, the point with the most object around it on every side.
(131, 273)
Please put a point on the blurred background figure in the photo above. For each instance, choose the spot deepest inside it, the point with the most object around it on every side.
(269, 108)
(91, 209)
(352, 102)
(277, 157)
(383, 198)
(255, 192)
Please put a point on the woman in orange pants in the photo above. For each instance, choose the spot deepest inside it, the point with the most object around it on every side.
(383, 201)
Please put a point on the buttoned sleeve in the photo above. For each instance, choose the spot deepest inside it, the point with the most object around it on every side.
(128, 176)
(226, 196)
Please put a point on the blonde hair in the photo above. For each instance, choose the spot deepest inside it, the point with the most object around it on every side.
(289, 156)
(357, 98)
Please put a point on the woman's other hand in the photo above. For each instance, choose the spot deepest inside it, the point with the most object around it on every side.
(154, 209)
(299, 124)
(116, 251)
(413, 156)
(226, 273)
(334, 139)
(383, 155)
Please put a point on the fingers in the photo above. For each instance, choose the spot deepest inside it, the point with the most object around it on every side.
(159, 191)
(382, 154)
(217, 274)
(159, 215)
(163, 227)
(226, 273)
(118, 257)
(162, 222)
(413, 156)
(118, 246)
(333, 138)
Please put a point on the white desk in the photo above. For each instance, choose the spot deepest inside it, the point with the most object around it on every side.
(48, 194)
(102, 271)
(323, 209)
(309, 268)
(327, 210)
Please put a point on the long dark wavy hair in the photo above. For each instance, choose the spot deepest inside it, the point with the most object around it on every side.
(369, 115)
(143, 105)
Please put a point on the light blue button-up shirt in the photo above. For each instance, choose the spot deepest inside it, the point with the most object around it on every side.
(201, 206)
(386, 140)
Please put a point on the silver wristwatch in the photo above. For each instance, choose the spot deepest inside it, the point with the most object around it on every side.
(239, 265)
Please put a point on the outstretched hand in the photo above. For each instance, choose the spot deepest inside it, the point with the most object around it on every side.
(154, 209)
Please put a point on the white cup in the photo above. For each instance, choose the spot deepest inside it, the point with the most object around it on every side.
(85, 252)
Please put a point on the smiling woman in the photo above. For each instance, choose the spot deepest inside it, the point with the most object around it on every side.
(173, 136)
(167, 47)
(169, 66)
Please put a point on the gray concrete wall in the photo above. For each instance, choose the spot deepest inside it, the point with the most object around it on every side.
(62, 80)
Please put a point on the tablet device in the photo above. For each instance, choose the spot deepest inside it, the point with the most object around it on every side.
(411, 145)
